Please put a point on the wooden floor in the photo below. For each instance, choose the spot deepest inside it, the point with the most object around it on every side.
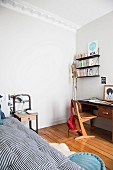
(100, 145)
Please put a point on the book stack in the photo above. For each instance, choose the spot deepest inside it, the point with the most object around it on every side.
(85, 72)
(90, 72)
(82, 63)
(90, 62)
(95, 61)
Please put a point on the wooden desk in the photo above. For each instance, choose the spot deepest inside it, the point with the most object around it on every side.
(28, 117)
(104, 110)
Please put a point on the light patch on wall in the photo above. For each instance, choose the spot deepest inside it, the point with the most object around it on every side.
(42, 67)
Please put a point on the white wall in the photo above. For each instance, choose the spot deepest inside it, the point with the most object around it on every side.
(35, 59)
(101, 30)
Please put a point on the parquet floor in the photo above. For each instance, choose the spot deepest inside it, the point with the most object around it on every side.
(100, 145)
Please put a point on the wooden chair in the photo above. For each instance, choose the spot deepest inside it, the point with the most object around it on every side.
(80, 118)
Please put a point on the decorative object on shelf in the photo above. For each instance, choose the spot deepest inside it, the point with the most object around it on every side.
(82, 55)
(93, 48)
(108, 92)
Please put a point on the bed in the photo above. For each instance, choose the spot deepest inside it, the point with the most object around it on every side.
(23, 149)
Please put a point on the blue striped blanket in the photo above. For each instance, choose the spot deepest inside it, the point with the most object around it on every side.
(23, 149)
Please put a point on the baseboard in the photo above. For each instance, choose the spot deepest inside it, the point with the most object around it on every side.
(47, 124)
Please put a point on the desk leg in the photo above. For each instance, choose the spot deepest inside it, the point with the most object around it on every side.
(30, 124)
(112, 125)
(37, 123)
(91, 123)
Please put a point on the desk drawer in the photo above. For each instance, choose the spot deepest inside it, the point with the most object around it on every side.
(28, 118)
(105, 112)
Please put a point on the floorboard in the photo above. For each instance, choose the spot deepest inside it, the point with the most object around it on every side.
(101, 145)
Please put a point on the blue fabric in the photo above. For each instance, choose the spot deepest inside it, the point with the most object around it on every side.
(1, 122)
(88, 161)
(2, 115)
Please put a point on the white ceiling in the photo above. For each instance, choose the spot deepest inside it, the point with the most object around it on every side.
(79, 12)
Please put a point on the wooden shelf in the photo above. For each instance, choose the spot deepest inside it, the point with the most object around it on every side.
(88, 67)
(88, 76)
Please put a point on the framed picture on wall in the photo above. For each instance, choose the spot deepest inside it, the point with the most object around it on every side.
(108, 92)
(93, 48)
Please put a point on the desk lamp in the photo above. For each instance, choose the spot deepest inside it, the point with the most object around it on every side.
(20, 99)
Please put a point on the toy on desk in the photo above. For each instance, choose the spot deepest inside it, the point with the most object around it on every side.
(93, 98)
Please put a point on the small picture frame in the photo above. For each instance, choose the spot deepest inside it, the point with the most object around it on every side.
(108, 92)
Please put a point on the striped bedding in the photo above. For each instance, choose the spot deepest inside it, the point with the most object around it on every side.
(23, 149)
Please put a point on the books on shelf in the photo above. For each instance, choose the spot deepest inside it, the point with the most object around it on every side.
(82, 63)
(95, 61)
(87, 62)
(85, 72)
(88, 66)
(90, 62)
(90, 72)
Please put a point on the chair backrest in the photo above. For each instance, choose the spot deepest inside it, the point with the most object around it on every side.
(77, 108)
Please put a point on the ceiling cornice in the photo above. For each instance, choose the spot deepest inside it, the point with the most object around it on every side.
(28, 9)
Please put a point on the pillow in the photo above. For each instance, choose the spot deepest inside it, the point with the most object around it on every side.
(1, 121)
(2, 115)
(88, 161)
